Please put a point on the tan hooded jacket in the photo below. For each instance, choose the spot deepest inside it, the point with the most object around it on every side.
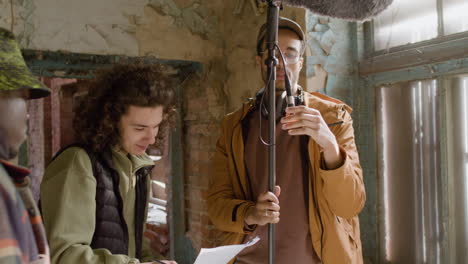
(335, 196)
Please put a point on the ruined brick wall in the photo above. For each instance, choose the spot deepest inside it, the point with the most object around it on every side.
(36, 144)
(45, 129)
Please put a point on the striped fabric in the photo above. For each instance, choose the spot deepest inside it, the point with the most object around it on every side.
(22, 236)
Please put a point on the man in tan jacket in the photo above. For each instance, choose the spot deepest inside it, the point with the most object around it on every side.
(320, 188)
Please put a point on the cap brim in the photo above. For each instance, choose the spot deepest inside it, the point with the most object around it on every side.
(18, 78)
(286, 23)
(14, 73)
(282, 23)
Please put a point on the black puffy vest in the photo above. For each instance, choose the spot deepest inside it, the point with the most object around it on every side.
(111, 230)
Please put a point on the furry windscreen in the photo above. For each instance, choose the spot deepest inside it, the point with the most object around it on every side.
(344, 9)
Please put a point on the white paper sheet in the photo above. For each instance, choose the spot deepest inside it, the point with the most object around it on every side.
(222, 255)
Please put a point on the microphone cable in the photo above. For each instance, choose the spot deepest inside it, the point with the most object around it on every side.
(260, 111)
(288, 93)
(287, 82)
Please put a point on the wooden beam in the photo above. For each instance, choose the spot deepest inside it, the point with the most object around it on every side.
(83, 66)
(181, 248)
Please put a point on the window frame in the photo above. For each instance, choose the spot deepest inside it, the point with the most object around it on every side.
(437, 58)
(428, 52)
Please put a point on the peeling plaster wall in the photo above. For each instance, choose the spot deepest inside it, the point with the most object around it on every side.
(86, 26)
(333, 44)
(23, 11)
(163, 28)
(173, 32)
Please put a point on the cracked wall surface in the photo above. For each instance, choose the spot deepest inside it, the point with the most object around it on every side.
(333, 45)
(87, 26)
(23, 11)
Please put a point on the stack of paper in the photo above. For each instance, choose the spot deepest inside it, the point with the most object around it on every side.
(222, 255)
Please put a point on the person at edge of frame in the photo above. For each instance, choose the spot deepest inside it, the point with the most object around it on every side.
(22, 234)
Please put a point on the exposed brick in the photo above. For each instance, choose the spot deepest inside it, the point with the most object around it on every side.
(205, 168)
(197, 206)
(36, 144)
(192, 167)
(198, 181)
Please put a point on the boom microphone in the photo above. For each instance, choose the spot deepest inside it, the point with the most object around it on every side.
(344, 9)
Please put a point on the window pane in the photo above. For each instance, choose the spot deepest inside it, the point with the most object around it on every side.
(405, 22)
(455, 16)
(409, 167)
(457, 135)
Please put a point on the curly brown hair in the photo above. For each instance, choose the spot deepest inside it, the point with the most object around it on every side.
(97, 116)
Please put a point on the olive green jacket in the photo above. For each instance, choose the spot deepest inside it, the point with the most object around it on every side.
(68, 193)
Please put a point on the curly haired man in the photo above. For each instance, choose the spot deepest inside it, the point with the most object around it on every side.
(94, 194)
